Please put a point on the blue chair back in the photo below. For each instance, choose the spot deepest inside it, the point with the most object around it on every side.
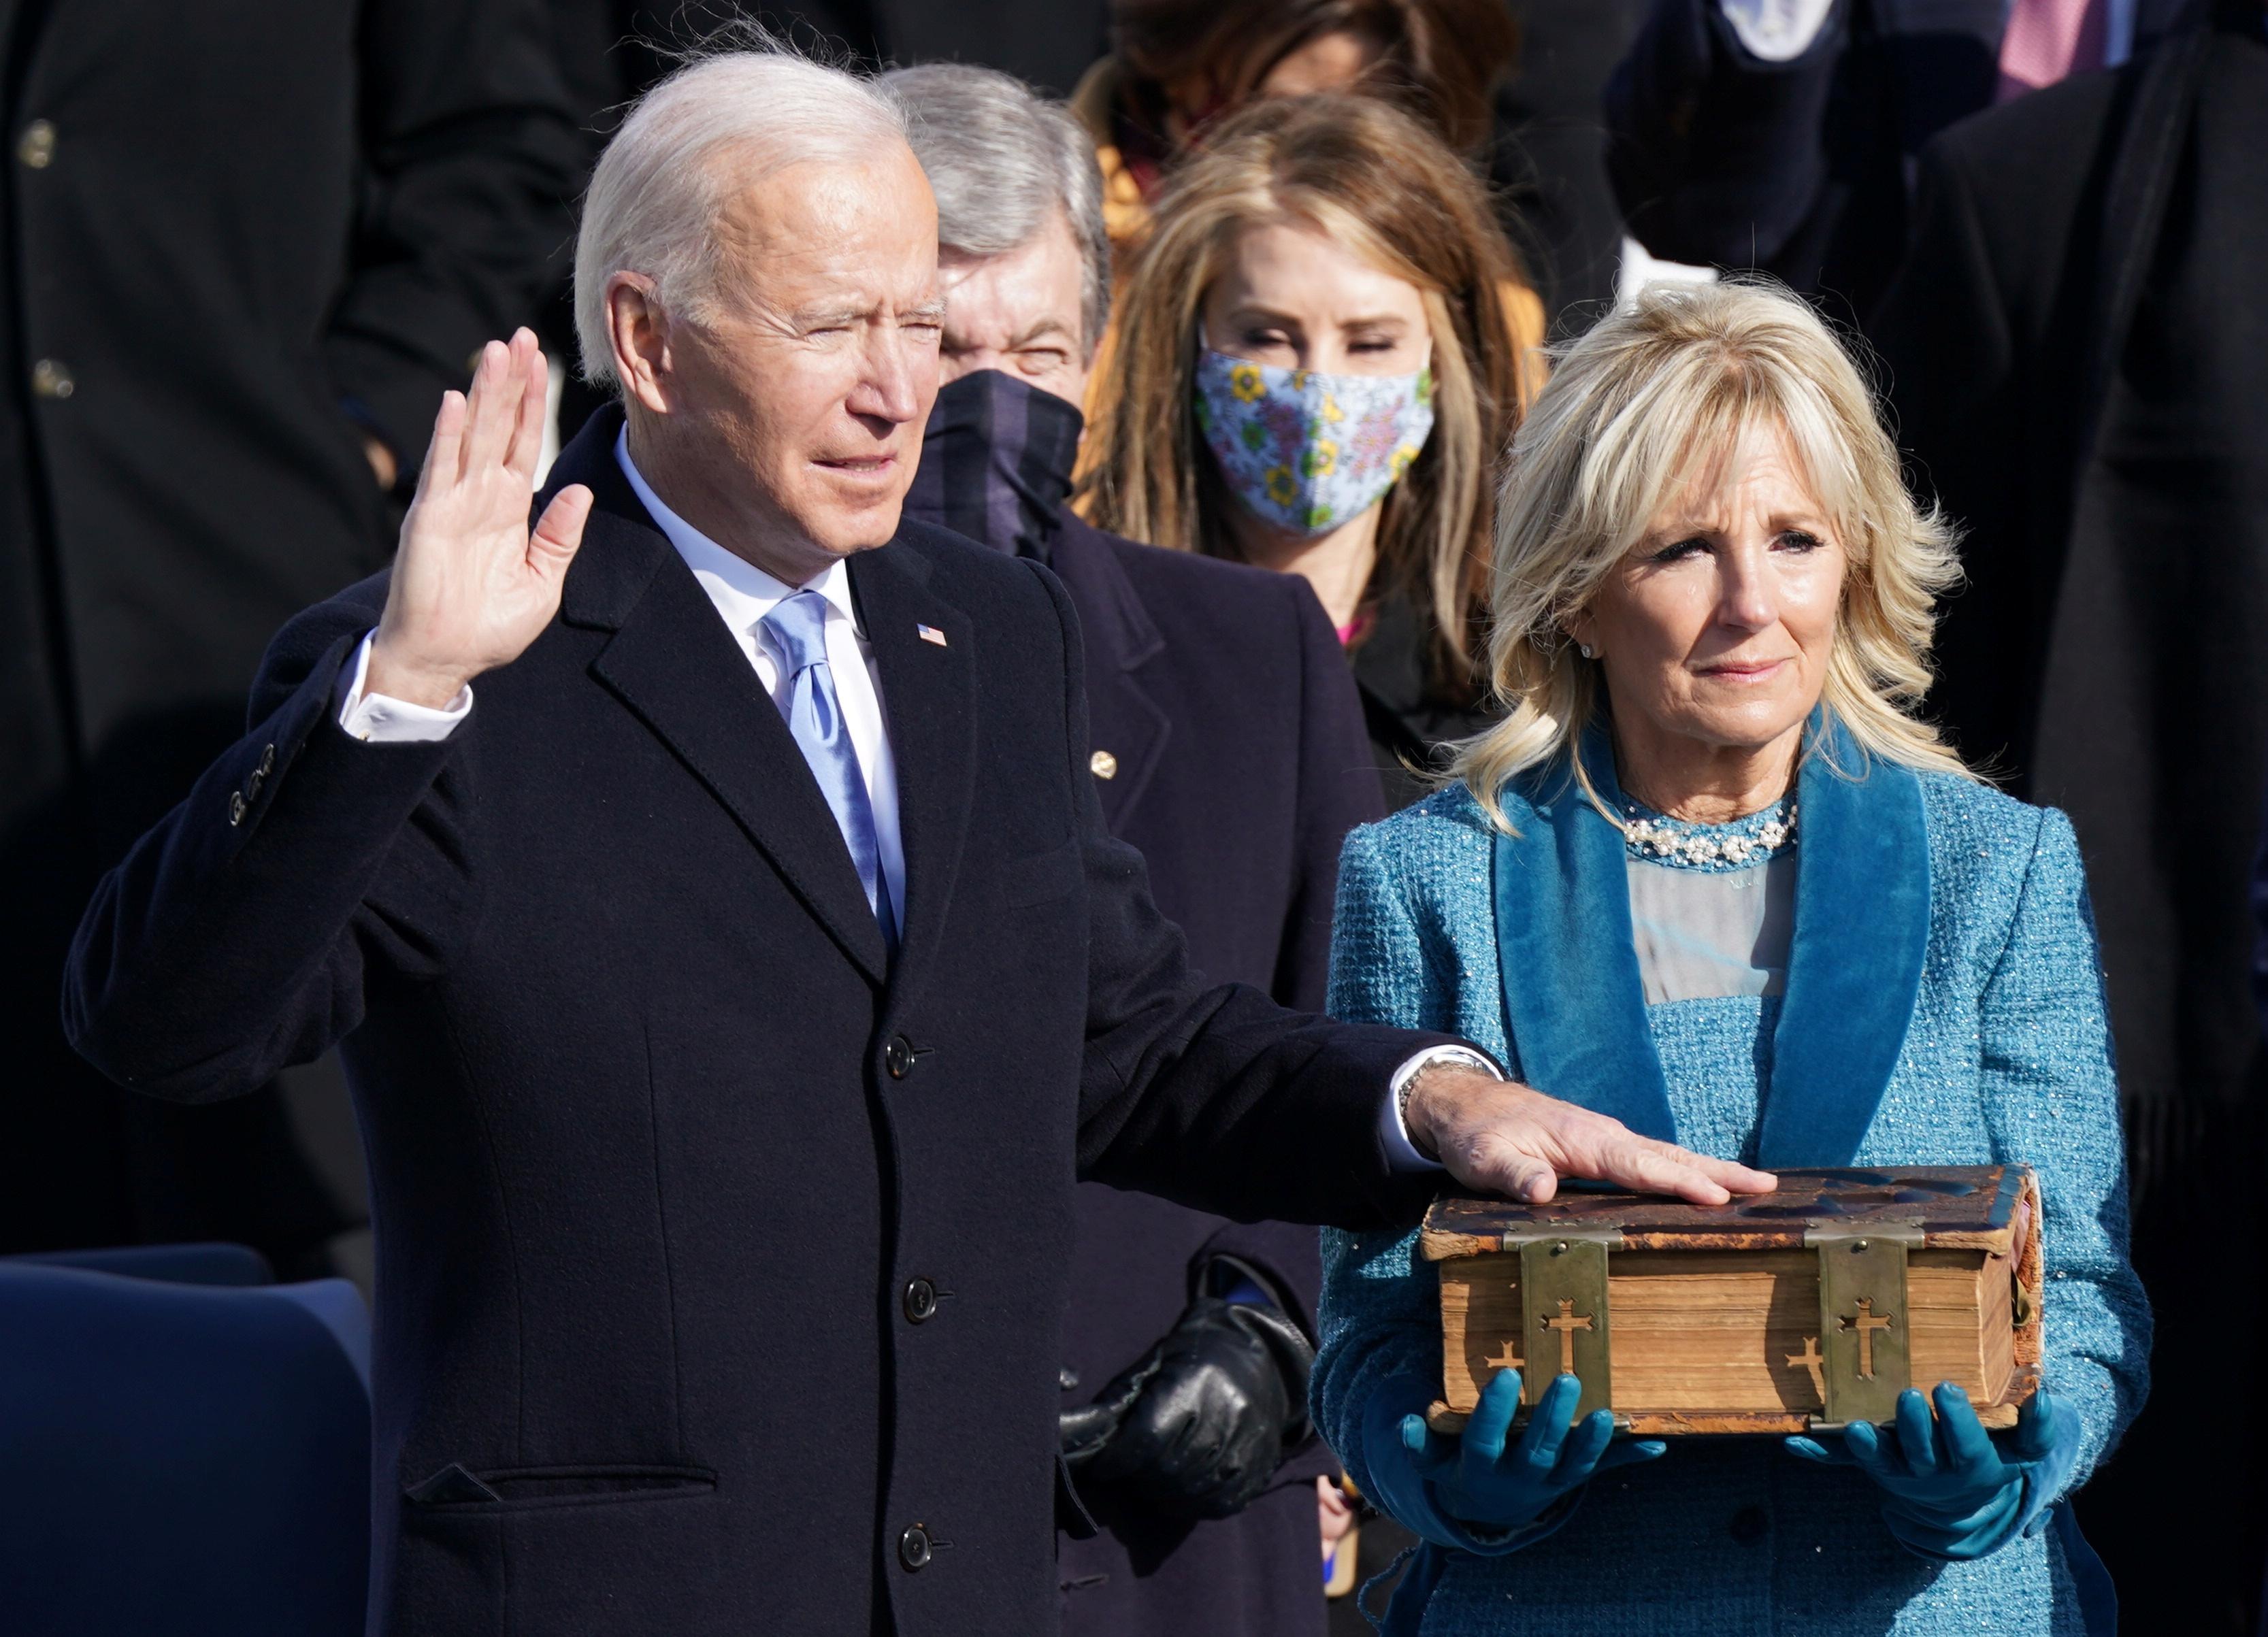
(184, 1458)
(213, 1264)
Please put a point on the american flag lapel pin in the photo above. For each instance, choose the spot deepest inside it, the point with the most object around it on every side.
(930, 633)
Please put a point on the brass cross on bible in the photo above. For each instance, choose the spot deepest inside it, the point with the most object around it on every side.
(1812, 1360)
(1866, 1324)
(1567, 1323)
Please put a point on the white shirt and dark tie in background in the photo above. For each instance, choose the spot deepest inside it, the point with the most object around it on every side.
(743, 596)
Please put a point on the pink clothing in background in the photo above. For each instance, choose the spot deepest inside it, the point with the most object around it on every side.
(2048, 39)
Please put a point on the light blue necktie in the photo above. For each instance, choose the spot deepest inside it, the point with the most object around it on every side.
(815, 716)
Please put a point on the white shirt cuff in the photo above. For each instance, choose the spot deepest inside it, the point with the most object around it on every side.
(1776, 31)
(378, 719)
(1402, 1155)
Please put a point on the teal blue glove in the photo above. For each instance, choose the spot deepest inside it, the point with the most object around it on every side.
(1470, 1491)
(1950, 1490)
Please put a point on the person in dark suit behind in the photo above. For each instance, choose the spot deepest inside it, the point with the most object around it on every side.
(1230, 750)
(2075, 346)
(733, 994)
(1780, 135)
(248, 246)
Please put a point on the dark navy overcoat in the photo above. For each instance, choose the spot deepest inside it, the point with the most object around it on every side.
(722, 1258)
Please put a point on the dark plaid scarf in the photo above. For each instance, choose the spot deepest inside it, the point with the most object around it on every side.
(996, 462)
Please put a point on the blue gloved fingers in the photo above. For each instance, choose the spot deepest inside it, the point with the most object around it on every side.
(1629, 1452)
(1967, 1447)
(1867, 1451)
(1917, 1435)
(1548, 1424)
(1812, 1449)
(2039, 1425)
(1491, 1424)
(1586, 1443)
(1431, 1455)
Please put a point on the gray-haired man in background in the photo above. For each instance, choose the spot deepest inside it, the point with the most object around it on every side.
(1230, 749)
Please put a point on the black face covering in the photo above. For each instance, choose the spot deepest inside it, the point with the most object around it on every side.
(996, 462)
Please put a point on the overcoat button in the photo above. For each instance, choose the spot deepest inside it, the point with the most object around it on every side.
(914, 1548)
(236, 808)
(36, 148)
(898, 1057)
(268, 759)
(920, 1301)
(1749, 1525)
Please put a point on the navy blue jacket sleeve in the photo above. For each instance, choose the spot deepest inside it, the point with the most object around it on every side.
(231, 942)
(1718, 158)
(1219, 1099)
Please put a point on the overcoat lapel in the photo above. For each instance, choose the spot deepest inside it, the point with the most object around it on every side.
(674, 664)
(1122, 716)
(929, 699)
(1575, 1012)
(1575, 1006)
(1854, 967)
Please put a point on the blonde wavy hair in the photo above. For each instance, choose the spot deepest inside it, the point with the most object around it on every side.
(1632, 409)
(1371, 178)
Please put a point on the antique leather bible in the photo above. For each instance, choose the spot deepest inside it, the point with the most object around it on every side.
(1783, 1313)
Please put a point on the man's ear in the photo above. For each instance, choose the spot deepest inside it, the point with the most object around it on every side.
(638, 327)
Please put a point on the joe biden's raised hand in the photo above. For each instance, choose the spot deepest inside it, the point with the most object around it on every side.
(1496, 1136)
(473, 586)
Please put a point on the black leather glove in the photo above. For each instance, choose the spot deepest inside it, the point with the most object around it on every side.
(1198, 1425)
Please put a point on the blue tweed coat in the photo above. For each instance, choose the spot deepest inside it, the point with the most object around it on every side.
(1943, 1006)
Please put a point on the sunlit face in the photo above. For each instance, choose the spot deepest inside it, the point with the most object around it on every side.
(1292, 297)
(1019, 313)
(799, 403)
(1716, 628)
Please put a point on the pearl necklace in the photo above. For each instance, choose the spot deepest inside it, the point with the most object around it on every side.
(1659, 838)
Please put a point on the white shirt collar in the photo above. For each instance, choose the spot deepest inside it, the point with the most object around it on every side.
(742, 592)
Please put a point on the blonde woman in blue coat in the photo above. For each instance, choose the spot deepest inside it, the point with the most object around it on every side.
(1712, 876)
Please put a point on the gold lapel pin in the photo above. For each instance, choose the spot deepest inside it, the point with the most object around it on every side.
(930, 633)
(1102, 765)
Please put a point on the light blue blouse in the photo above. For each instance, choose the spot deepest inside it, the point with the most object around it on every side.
(1943, 1006)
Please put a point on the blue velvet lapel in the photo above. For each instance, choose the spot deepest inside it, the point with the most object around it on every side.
(1575, 1006)
(1575, 1013)
(1854, 970)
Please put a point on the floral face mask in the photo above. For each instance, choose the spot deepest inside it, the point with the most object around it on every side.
(1307, 451)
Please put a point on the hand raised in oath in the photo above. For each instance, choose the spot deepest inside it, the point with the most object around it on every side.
(472, 585)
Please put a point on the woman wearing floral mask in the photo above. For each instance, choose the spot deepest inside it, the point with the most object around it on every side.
(1313, 374)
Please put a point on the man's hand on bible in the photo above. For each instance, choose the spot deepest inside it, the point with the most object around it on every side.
(472, 586)
(1497, 1136)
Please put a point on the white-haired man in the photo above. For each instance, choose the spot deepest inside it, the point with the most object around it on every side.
(732, 998)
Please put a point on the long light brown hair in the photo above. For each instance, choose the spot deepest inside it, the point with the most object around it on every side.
(1374, 179)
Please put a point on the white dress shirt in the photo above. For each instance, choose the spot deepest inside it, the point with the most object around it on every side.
(743, 594)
